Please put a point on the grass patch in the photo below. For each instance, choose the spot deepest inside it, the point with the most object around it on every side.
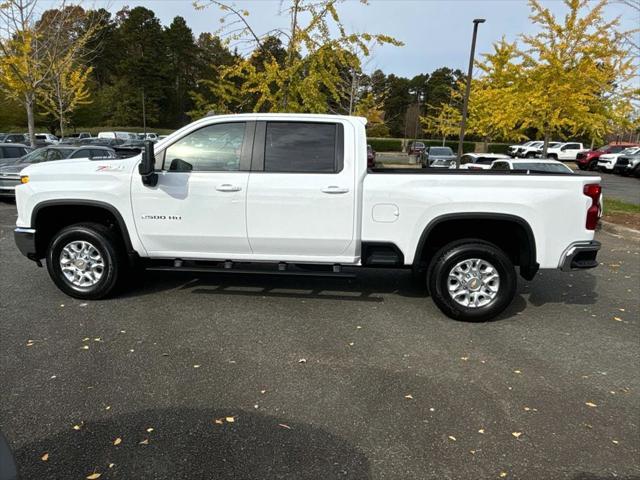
(612, 205)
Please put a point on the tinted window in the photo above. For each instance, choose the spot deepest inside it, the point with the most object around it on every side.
(56, 154)
(13, 152)
(84, 153)
(485, 160)
(542, 167)
(301, 147)
(500, 166)
(15, 138)
(615, 149)
(440, 151)
(211, 149)
(37, 156)
(573, 146)
(101, 154)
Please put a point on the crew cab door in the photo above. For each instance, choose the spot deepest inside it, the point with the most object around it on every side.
(569, 151)
(198, 207)
(301, 199)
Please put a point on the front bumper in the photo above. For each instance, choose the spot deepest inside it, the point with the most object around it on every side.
(580, 255)
(26, 242)
(8, 186)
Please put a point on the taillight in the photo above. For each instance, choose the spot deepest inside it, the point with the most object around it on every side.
(593, 191)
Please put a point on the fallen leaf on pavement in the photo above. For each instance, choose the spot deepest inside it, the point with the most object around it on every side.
(617, 319)
(150, 429)
(117, 441)
(144, 442)
(481, 430)
(503, 474)
(94, 476)
(77, 427)
(451, 437)
(230, 419)
(589, 404)
(517, 371)
(516, 434)
(196, 366)
(302, 360)
(464, 358)
(284, 426)
(111, 465)
(85, 347)
(409, 396)
(218, 421)
(44, 457)
(615, 441)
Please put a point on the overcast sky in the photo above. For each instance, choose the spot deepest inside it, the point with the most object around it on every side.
(435, 32)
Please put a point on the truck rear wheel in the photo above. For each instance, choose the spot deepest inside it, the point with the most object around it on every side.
(471, 280)
(85, 260)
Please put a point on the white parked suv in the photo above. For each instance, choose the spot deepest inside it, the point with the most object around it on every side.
(566, 151)
(607, 161)
(292, 190)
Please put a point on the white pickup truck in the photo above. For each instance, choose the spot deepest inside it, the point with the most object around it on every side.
(293, 192)
(565, 151)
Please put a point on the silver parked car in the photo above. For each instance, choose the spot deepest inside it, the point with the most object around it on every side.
(438, 157)
(10, 174)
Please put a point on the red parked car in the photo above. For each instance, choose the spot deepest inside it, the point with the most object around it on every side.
(589, 160)
(416, 148)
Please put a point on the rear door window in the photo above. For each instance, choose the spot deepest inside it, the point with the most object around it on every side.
(13, 152)
(299, 147)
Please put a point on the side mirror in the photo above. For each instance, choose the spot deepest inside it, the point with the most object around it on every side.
(147, 165)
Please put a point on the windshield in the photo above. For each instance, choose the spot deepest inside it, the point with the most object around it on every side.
(630, 150)
(542, 167)
(440, 151)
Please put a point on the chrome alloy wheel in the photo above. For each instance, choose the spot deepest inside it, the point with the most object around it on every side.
(473, 283)
(81, 264)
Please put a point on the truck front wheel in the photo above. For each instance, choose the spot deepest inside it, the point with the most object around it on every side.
(85, 260)
(471, 280)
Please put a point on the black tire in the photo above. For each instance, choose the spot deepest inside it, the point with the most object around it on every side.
(552, 156)
(530, 155)
(455, 252)
(593, 165)
(108, 245)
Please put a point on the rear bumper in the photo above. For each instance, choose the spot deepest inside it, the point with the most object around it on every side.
(580, 255)
(26, 242)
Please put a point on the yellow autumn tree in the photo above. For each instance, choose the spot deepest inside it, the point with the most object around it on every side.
(318, 55)
(577, 72)
(496, 100)
(445, 121)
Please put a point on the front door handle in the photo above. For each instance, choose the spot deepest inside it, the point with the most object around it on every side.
(227, 187)
(335, 189)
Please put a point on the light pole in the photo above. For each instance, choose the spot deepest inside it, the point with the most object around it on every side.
(465, 105)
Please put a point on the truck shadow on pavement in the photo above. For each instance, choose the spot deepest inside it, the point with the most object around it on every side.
(369, 286)
(187, 443)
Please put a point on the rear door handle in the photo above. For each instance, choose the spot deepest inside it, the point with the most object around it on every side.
(227, 187)
(335, 189)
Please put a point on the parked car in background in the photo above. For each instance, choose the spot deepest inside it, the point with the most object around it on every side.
(540, 149)
(438, 157)
(416, 148)
(10, 174)
(529, 151)
(103, 142)
(11, 152)
(513, 149)
(588, 160)
(628, 165)
(118, 135)
(480, 161)
(371, 157)
(607, 161)
(532, 165)
(74, 137)
(565, 151)
(14, 138)
(46, 139)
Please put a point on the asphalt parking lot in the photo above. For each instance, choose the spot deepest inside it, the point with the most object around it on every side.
(247, 377)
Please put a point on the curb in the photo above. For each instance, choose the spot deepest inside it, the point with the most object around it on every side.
(620, 230)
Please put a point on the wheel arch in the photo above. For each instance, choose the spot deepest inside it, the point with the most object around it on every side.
(81, 210)
(485, 226)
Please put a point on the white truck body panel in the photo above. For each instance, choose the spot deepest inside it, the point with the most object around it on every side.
(313, 218)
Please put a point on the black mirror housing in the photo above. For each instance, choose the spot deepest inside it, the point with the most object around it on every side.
(147, 166)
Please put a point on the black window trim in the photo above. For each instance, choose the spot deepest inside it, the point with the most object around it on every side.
(245, 154)
(260, 145)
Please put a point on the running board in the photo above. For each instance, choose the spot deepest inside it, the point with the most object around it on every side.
(296, 273)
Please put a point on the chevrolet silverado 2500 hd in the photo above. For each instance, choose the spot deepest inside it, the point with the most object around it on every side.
(294, 191)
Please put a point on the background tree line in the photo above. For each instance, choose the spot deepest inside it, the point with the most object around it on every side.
(69, 67)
